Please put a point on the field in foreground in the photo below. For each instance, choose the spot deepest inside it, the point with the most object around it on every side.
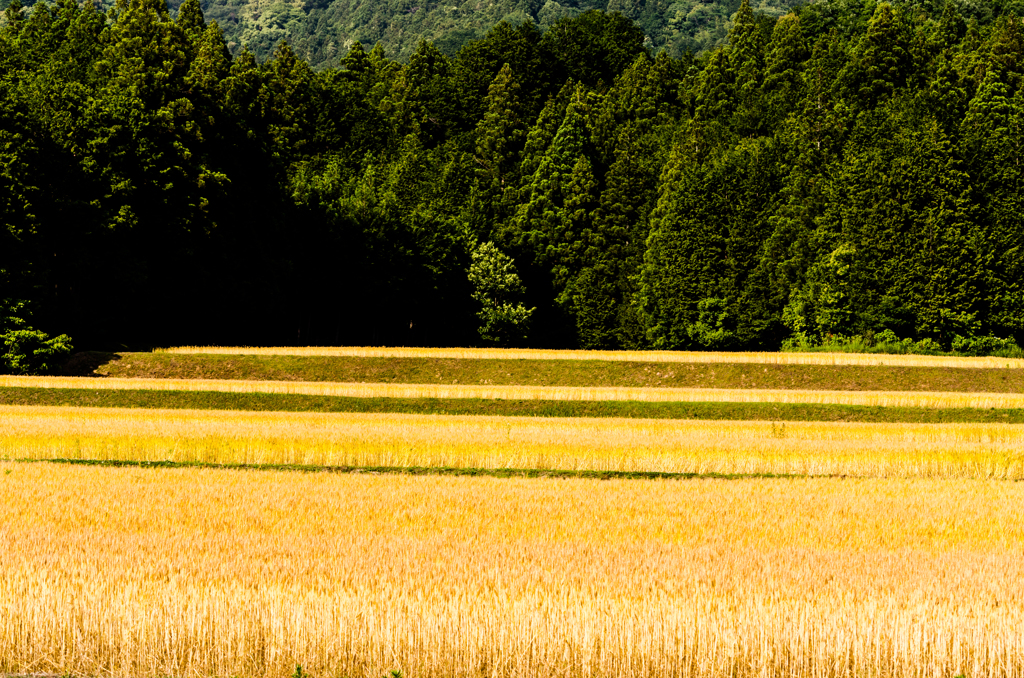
(133, 572)
(891, 548)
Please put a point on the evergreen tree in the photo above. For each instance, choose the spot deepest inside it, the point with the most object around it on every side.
(500, 133)
(952, 27)
(714, 94)
(190, 18)
(646, 92)
(594, 47)
(746, 63)
(992, 143)
(288, 99)
(882, 60)
(510, 235)
(784, 86)
(500, 136)
(14, 18)
(542, 218)
(607, 308)
(899, 250)
(685, 247)
(421, 101)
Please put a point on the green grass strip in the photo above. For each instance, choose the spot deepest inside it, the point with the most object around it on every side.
(273, 402)
(511, 372)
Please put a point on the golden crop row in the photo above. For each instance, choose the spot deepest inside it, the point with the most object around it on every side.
(147, 573)
(405, 440)
(581, 393)
(763, 358)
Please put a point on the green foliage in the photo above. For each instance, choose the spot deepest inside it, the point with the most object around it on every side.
(27, 350)
(504, 320)
(988, 345)
(885, 341)
(711, 329)
(321, 30)
(888, 342)
(818, 173)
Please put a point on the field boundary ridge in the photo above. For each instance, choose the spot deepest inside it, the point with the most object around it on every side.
(924, 399)
(761, 358)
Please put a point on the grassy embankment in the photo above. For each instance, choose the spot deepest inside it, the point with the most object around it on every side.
(276, 402)
(956, 376)
(534, 372)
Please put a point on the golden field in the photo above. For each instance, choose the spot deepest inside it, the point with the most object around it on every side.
(411, 440)
(767, 358)
(890, 551)
(201, 572)
(518, 392)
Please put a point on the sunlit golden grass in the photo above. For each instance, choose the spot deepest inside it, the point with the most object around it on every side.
(867, 359)
(581, 393)
(198, 572)
(624, 445)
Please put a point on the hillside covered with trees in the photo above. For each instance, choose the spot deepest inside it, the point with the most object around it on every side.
(853, 172)
(322, 31)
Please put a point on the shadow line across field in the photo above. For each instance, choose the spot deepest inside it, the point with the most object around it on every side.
(430, 470)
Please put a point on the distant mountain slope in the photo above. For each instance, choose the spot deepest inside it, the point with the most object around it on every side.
(321, 31)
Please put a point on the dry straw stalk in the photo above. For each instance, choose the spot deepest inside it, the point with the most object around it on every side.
(147, 573)
(405, 440)
(867, 359)
(592, 393)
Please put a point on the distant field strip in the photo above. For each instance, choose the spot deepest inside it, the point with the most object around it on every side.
(278, 402)
(581, 393)
(865, 359)
(202, 572)
(447, 441)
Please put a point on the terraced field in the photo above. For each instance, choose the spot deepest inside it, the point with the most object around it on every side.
(357, 511)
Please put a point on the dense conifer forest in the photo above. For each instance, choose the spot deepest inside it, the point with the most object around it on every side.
(848, 168)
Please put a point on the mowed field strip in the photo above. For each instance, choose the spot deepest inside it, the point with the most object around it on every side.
(202, 572)
(551, 393)
(539, 443)
(761, 358)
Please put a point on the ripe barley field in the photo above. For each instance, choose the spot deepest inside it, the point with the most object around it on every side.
(887, 548)
(200, 572)
(576, 444)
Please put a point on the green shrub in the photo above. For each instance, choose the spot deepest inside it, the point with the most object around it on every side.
(30, 351)
(887, 341)
(988, 345)
(26, 350)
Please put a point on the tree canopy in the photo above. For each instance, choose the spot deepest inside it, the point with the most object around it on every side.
(844, 168)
